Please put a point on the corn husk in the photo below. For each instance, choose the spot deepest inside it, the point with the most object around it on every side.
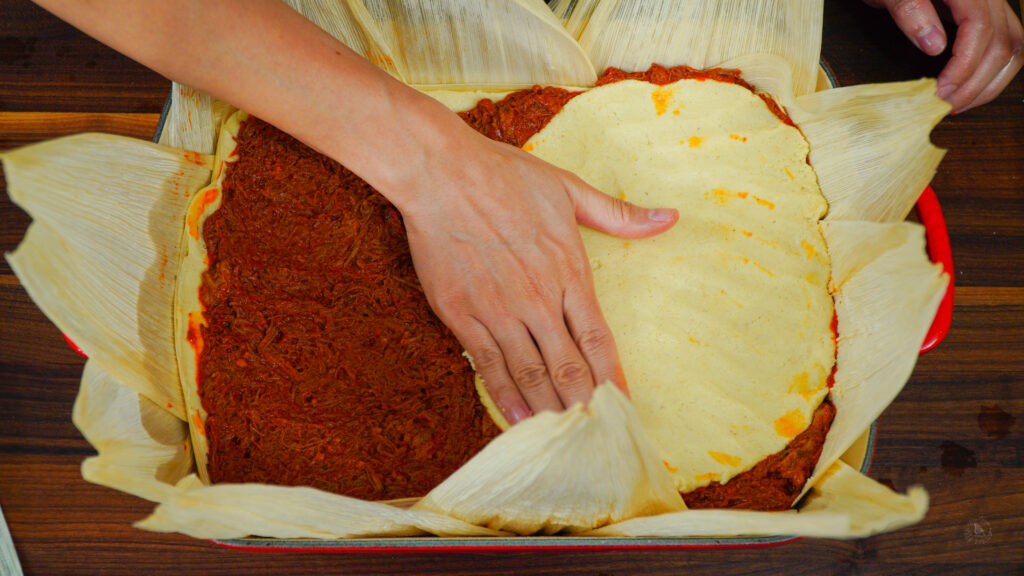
(870, 146)
(108, 217)
(487, 43)
(193, 119)
(601, 452)
(843, 504)
(631, 34)
(159, 453)
(101, 256)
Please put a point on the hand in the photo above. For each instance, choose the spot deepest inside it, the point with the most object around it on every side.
(986, 53)
(495, 242)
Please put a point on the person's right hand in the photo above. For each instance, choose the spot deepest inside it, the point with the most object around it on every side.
(494, 239)
(986, 53)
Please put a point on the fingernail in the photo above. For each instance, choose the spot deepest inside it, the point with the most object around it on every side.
(661, 215)
(944, 91)
(932, 41)
(517, 414)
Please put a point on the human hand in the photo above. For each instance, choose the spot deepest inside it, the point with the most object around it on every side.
(494, 238)
(986, 53)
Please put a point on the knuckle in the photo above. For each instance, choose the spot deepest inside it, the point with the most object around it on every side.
(487, 359)
(906, 8)
(449, 302)
(595, 340)
(531, 376)
(572, 373)
(621, 210)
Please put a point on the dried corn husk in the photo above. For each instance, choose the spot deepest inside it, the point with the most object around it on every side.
(101, 256)
(193, 119)
(870, 146)
(486, 43)
(843, 504)
(587, 468)
(143, 449)
(237, 510)
(112, 249)
(631, 34)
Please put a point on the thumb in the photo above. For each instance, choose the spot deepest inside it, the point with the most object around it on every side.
(617, 217)
(919, 21)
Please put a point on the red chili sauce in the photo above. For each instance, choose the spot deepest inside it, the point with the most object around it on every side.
(323, 364)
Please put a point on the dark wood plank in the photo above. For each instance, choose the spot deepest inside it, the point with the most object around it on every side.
(21, 128)
(46, 65)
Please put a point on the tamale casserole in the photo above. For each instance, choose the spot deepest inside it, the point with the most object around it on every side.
(320, 362)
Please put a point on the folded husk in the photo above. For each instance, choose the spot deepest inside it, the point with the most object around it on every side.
(143, 449)
(193, 119)
(502, 43)
(843, 504)
(101, 256)
(631, 34)
(119, 252)
(587, 468)
(870, 146)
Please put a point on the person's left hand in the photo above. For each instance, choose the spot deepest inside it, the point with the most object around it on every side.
(986, 53)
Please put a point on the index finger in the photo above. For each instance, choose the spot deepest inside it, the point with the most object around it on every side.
(1005, 74)
(973, 35)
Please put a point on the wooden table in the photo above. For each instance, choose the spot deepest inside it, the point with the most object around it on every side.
(957, 428)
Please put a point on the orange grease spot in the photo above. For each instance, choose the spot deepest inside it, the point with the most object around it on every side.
(763, 269)
(738, 137)
(788, 173)
(802, 385)
(694, 141)
(764, 203)
(808, 249)
(193, 157)
(791, 424)
(723, 458)
(198, 423)
(195, 211)
(748, 233)
(661, 98)
(528, 147)
(708, 476)
(669, 467)
(194, 335)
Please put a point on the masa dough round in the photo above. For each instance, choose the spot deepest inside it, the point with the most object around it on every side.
(723, 323)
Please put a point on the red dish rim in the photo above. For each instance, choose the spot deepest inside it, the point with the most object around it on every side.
(939, 250)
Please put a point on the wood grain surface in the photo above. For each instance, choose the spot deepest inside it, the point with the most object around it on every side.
(957, 428)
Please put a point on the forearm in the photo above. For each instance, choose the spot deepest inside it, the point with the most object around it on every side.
(265, 58)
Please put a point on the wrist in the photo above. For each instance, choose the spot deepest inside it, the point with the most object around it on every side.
(416, 142)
